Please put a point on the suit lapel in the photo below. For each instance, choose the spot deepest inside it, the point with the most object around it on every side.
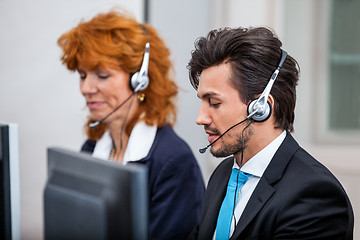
(264, 190)
(260, 196)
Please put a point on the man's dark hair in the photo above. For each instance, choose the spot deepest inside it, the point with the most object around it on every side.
(253, 54)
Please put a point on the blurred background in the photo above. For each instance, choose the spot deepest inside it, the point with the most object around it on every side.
(43, 98)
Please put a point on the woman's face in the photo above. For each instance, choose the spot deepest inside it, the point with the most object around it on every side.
(104, 89)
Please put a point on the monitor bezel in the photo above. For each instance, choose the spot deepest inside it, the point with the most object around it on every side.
(10, 155)
(104, 172)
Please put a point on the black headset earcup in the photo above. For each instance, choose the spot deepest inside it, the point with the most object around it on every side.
(262, 115)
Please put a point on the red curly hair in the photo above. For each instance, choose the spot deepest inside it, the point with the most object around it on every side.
(117, 40)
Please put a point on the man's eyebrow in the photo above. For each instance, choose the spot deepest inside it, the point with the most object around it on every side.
(208, 95)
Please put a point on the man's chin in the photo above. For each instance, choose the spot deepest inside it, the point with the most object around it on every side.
(225, 152)
(219, 153)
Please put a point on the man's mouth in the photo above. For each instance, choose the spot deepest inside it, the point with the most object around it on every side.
(212, 134)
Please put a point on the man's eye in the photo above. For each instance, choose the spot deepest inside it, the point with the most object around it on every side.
(214, 104)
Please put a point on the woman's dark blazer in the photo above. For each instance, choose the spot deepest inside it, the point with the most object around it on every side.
(176, 186)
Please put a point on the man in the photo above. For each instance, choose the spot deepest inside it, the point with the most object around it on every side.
(247, 87)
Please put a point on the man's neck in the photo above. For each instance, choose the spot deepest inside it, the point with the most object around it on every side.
(258, 141)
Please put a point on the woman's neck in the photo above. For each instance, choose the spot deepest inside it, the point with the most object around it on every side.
(120, 140)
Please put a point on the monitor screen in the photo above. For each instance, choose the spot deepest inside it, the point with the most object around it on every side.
(9, 182)
(90, 198)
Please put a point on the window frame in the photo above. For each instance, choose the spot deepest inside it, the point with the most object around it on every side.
(323, 132)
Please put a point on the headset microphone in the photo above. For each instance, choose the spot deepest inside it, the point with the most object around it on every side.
(259, 110)
(94, 124)
(138, 82)
(203, 150)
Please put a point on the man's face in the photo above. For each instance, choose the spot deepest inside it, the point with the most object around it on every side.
(221, 108)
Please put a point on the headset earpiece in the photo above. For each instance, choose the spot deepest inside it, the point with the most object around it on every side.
(140, 80)
(258, 112)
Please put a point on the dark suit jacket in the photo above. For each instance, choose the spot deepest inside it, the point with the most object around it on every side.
(176, 187)
(296, 198)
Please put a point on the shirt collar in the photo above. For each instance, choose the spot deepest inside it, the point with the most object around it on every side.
(103, 146)
(140, 141)
(257, 164)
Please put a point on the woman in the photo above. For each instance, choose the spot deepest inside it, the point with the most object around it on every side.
(124, 70)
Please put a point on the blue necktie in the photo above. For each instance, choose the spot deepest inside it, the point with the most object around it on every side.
(237, 179)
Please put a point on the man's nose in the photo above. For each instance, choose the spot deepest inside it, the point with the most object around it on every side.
(203, 117)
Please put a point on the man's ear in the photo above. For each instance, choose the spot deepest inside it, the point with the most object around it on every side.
(271, 100)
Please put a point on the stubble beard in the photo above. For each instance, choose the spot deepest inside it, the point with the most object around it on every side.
(227, 149)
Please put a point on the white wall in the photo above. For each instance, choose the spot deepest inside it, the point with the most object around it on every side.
(180, 23)
(36, 90)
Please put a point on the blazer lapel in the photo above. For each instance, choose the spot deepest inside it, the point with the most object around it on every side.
(264, 190)
(260, 196)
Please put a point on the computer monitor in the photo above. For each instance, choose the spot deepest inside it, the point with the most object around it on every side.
(9, 182)
(90, 198)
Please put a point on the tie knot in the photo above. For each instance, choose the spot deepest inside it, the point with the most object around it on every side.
(237, 178)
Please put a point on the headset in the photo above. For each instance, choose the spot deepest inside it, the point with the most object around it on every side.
(139, 81)
(260, 108)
